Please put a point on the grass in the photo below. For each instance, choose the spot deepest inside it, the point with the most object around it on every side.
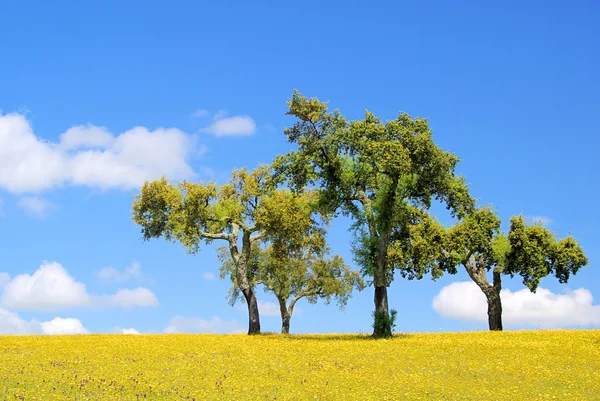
(525, 365)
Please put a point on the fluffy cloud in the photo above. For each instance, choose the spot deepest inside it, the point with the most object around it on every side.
(52, 288)
(11, 323)
(180, 324)
(133, 272)
(4, 278)
(268, 309)
(60, 325)
(90, 156)
(130, 331)
(464, 301)
(35, 206)
(220, 114)
(86, 136)
(128, 299)
(48, 288)
(200, 113)
(231, 126)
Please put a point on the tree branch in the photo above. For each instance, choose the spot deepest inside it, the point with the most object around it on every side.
(206, 235)
(248, 229)
(256, 237)
(225, 219)
(298, 296)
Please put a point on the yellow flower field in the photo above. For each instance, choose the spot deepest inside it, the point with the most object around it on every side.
(527, 365)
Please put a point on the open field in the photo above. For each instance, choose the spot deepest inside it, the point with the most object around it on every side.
(560, 365)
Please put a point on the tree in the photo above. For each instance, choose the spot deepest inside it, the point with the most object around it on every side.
(242, 212)
(530, 251)
(377, 173)
(290, 277)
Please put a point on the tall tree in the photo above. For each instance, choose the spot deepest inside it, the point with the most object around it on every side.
(530, 251)
(375, 172)
(292, 276)
(242, 212)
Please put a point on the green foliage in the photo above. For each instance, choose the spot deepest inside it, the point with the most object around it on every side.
(377, 172)
(306, 273)
(535, 253)
(383, 323)
(247, 210)
(475, 235)
(529, 251)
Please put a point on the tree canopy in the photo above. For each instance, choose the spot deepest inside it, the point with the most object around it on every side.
(530, 251)
(379, 173)
(306, 274)
(247, 210)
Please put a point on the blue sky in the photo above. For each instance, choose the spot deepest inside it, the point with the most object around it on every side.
(512, 89)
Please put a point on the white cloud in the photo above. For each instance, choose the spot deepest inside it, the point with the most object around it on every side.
(268, 309)
(219, 115)
(231, 126)
(133, 272)
(464, 301)
(208, 276)
(4, 278)
(52, 288)
(35, 206)
(90, 156)
(180, 324)
(130, 331)
(60, 325)
(86, 136)
(11, 323)
(128, 299)
(546, 221)
(200, 113)
(48, 288)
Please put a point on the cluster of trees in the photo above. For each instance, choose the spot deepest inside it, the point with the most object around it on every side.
(384, 176)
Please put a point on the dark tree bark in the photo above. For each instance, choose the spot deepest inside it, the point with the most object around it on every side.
(381, 307)
(241, 260)
(381, 295)
(285, 324)
(382, 231)
(287, 311)
(492, 292)
(253, 317)
(495, 303)
(494, 311)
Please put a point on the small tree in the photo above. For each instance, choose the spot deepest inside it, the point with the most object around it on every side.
(242, 212)
(301, 268)
(530, 251)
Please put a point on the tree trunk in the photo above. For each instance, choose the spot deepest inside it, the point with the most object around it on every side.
(286, 315)
(384, 328)
(285, 324)
(241, 266)
(495, 303)
(477, 272)
(494, 310)
(382, 234)
(381, 307)
(253, 317)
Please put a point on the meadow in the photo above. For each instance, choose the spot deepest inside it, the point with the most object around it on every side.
(522, 365)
